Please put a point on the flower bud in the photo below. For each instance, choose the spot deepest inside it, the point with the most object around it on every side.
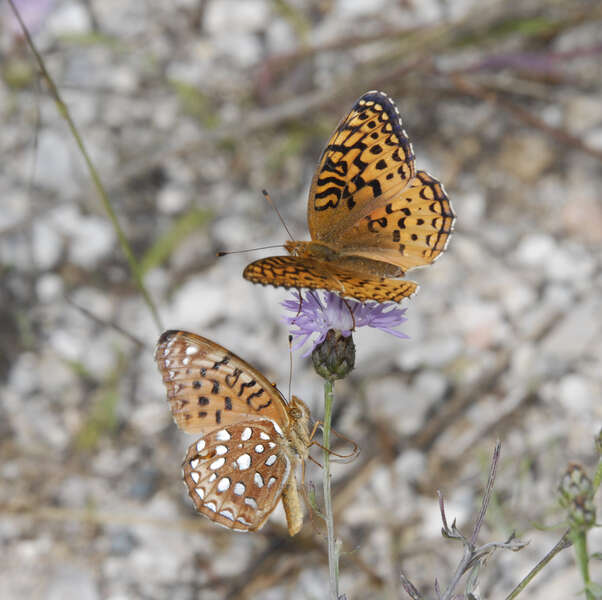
(334, 358)
(577, 496)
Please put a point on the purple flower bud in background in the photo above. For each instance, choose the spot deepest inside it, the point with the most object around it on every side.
(33, 13)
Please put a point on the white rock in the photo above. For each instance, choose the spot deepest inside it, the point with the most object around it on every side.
(172, 199)
(583, 113)
(151, 418)
(433, 353)
(54, 376)
(574, 333)
(280, 37)
(15, 207)
(576, 394)
(245, 49)
(20, 378)
(96, 301)
(226, 16)
(196, 302)
(594, 138)
(482, 322)
(569, 264)
(68, 19)
(518, 298)
(410, 465)
(430, 386)
(352, 9)
(46, 244)
(534, 250)
(68, 345)
(187, 72)
(72, 582)
(53, 166)
(92, 241)
(123, 79)
(523, 361)
(403, 405)
(473, 208)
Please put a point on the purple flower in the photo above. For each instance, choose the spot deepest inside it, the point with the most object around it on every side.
(315, 312)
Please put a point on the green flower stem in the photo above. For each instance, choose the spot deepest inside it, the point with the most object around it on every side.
(333, 557)
(580, 541)
(597, 477)
(64, 112)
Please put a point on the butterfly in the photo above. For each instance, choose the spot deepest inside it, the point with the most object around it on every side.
(251, 438)
(372, 216)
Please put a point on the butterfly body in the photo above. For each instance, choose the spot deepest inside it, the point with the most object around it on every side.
(350, 258)
(252, 439)
(372, 216)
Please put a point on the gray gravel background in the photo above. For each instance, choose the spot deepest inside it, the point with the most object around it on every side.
(189, 109)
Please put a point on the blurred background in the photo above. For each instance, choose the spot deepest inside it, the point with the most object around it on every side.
(188, 109)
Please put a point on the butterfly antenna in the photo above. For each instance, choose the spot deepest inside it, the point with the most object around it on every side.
(290, 370)
(267, 197)
(224, 253)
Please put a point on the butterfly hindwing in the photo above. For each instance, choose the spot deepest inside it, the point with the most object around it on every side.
(410, 230)
(235, 475)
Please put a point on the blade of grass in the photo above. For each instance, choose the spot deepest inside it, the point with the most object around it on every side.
(64, 112)
(166, 244)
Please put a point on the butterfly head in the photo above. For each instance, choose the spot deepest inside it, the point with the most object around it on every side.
(295, 248)
(313, 249)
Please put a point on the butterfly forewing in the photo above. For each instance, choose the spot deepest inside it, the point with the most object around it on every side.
(208, 386)
(368, 153)
(303, 272)
(236, 475)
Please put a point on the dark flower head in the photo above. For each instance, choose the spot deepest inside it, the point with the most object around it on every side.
(577, 496)
(334, 358)
(314, 313)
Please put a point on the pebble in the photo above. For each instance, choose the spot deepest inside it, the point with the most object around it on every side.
(172, 199)
(575, 393)
(72, 582)
(405, 405)
(226, 16)
(526, 155)
(434, 353)
(69, 18)
(92, 241)
(47, 246)
(15, 208)
(573, 334)
(54, 163)
(534, 250)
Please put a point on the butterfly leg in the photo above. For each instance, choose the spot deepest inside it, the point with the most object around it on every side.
(346, 457)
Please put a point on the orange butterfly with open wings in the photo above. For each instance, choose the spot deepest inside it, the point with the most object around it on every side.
(372, 216)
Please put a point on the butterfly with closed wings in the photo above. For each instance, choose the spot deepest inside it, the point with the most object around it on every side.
(251, 438)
